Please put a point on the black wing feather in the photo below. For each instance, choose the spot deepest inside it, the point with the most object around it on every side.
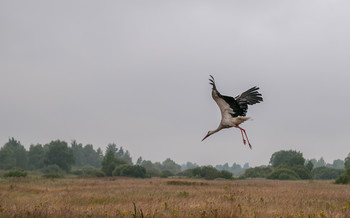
(249, 97)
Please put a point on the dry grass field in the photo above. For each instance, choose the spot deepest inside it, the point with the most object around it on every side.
(124, 197)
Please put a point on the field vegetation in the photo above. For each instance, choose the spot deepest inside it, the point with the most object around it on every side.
(35, 196)
(58, 180)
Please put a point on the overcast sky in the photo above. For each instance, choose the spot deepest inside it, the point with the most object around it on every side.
(136, 73)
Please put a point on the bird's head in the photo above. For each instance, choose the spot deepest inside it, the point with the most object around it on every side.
(208, 134)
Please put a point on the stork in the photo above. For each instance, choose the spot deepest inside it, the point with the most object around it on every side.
(233, 110)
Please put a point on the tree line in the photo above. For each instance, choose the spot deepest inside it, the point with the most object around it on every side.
(57, 158)
(291, 165)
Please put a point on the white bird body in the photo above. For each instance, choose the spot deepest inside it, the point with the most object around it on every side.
(233, 110)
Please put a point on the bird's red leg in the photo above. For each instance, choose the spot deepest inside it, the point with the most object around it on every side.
(243, 137)
(250, 146)
(243, 130)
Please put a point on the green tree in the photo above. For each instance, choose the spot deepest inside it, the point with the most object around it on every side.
(309, 165)
(110, 162)
(36, 155)
(120, 153)
(295, 160)
(147, 164)
(86, 155)
(124, 155)
(188, 165)
(320, 163)
(112, 147)
(344, 178)
(286, 161)
(60, 154)
(347, 162)
(169, 164)
(139, 161)
(13, 154)
(78, 153)
(326, 173)
(338, 164)
(92, 157)
(291, 157)
(158, 166)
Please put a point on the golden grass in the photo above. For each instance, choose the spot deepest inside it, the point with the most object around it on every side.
(108, 197)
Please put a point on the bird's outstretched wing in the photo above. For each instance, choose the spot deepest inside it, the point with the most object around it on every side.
(249, 97)
(227, 104)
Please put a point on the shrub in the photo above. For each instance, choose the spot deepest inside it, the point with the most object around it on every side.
(302, 171)
(226, 174)
(326, 173)
(283, 174)
(344, 178)
(117, 170)
(166, 174)
(52, 171)
(130, 171)
(207, 172)
(152, 172)
(186, 173)
(99, 173)
(88, 171)
(16, 172)
(257, 172)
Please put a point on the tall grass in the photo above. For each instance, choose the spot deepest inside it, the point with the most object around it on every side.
(124, 197)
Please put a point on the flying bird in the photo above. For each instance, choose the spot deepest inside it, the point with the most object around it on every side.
(233, 110)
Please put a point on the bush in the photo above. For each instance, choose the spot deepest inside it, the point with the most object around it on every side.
(326, 173)
(207, 172)
(88, 171)
(166, 174)
(344, 178)
(283, 174)
(257, 172)
(186, 173)
(53, 171)
(302, 171)
(130, 171)
(16, 172)
(152, 172)
(99, 173)
(117, 170)
(226, 174)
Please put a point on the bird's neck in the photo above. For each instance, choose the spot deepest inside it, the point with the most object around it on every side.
(216, 130)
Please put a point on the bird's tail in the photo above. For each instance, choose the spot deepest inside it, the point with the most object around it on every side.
(241, 119)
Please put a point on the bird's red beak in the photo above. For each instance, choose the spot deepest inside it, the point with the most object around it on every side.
(205, 137)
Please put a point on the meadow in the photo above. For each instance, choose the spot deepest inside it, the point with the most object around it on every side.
(155, 197)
